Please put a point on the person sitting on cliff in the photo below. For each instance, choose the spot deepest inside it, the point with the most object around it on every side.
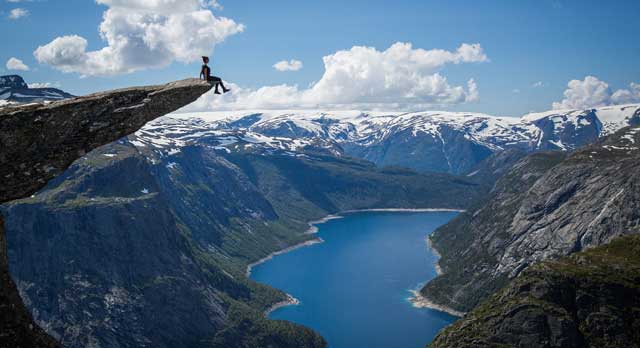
(205, 74)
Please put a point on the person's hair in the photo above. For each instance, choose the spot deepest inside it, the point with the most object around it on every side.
(204, 59)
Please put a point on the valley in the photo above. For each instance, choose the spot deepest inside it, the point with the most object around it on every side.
(319, 174)
(188, 220)
(158, 227)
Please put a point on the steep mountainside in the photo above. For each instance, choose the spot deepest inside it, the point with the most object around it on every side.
(428, 141)
(545, 208)
(490, 170)
(13, 89)
(38, 142)
(158, 228)
(590, 299)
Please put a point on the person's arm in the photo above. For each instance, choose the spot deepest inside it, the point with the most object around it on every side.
(202, 77)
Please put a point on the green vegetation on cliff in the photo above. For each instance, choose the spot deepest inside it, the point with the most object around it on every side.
(589, 299)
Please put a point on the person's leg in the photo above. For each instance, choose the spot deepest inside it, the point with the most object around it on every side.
(224, 89)
(216, 81)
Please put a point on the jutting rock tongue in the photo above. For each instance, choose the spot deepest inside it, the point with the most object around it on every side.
(39, 141)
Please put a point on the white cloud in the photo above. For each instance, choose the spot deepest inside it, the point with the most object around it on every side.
(142, 34)
(292, 65)
(537, 84)
(16, 64)
(17, 13)
(592, 92)
(400, 77)
(627, 96)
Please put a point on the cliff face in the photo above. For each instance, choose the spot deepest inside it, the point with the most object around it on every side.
(544, 208)
(39, 141)
(16, 326)
(590, 299)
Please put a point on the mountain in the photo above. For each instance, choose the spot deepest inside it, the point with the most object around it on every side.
(548, 206)
(158, 229)
(145, 241)
(428, 141)
(13, 89)
(38, 142)
(590, 299)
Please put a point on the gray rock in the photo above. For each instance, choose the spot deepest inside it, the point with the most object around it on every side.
(544, 208)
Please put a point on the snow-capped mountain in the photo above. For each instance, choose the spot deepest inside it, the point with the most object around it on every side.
(13, 89)
(569, 129)
(426, 141)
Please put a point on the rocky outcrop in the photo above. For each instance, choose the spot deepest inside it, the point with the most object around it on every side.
(544, 208)
(39, 141)
(590, 299)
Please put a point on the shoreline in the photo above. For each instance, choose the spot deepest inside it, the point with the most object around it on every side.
(418, 300)
(290, 301)
(280, 252)
(313, 229)
(436, 253)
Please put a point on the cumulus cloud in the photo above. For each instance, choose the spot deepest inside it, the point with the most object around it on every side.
(292, 65)
(400, 77)
(142, 34)
(627, 96)
(592, 92)
(17, 13)
(16, 64)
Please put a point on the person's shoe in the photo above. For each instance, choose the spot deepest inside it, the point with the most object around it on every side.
(217, 92)
(225, 90)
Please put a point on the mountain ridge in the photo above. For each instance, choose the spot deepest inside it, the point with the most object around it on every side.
(453, 142)
(13, 89)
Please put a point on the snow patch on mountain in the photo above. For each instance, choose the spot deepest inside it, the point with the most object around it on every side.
(13, 89)
(428, 141)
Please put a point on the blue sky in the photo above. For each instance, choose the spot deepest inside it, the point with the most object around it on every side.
(533, 48)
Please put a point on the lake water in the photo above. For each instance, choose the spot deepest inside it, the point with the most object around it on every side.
(354, 287)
